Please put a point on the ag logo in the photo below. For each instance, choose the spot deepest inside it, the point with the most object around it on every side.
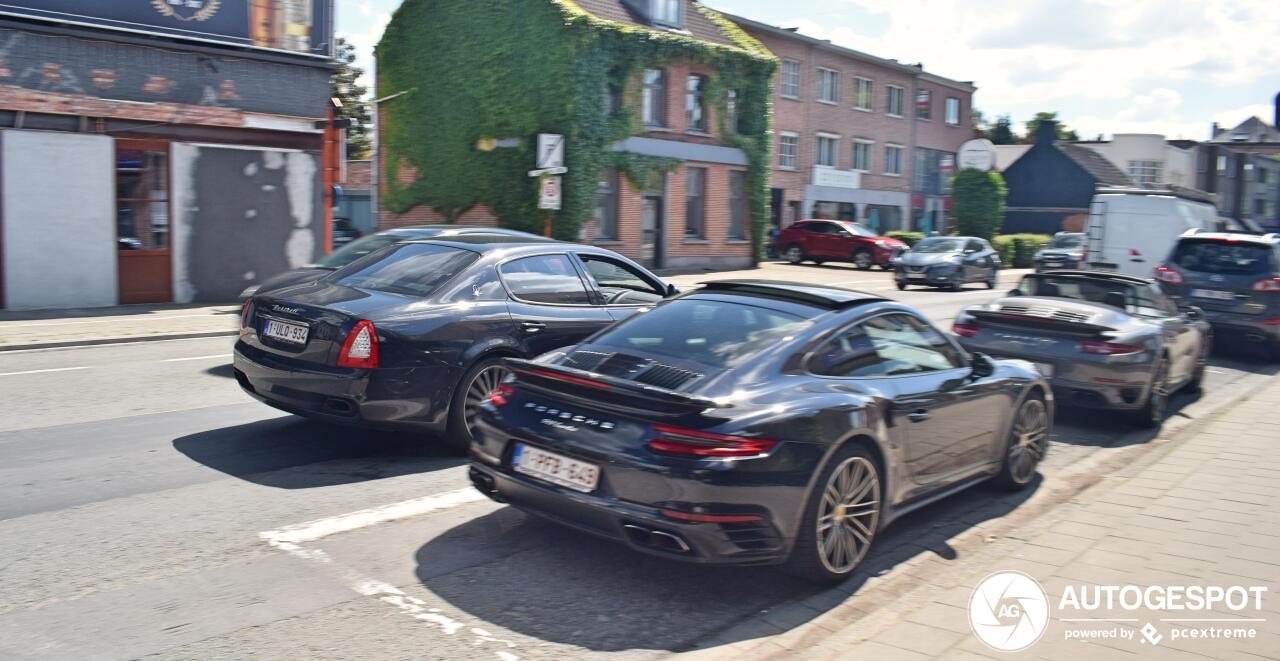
(187, 10)
(1008, 611)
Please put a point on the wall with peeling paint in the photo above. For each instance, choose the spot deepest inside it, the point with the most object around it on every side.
(241, 214)
(59, 220)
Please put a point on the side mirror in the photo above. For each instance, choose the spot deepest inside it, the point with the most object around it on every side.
(1193, 313)
(671, 290)
(1016, 292)
(982, 365)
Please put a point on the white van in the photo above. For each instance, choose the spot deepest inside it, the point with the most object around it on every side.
(1131, 231)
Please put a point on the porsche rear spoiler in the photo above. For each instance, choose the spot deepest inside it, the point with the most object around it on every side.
(1035, 321)
(607, 391)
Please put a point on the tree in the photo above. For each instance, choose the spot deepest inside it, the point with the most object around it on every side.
(1001, 133)
(978, 202)
(346, 88)
(1033, 126)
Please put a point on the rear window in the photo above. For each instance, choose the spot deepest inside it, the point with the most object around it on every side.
(1223, 257)
(715, 333)
(357, 249)
(412, 269)
(1134, 299)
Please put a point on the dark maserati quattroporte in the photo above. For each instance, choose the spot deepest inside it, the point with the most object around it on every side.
(757, 422)
(412, 336)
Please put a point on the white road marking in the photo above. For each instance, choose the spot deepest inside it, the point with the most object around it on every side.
(209, 357)
(313, 530)
(52, 369)
(290, 539)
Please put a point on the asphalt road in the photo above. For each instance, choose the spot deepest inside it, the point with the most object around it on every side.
(147, 507)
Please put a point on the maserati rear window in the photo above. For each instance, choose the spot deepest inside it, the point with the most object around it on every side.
(1223, 257)
(715, 333)
(411, 269)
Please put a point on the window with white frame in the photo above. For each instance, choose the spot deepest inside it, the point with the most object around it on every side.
(953, 111)
(863, 93)
(667, 12)
(1145, 172)
(862, 155)
(894, 106)
(788, 150)
(791, 79)
(893, 159)
(828, 86)
(827, 149)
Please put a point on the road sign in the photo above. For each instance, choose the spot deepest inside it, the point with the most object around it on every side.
(550, 151)
(978, 154)
(545, 171)
(549, 193)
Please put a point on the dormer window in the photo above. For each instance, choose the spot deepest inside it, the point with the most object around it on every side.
(668, 13)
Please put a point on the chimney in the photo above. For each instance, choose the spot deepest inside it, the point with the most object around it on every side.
(1047, 132)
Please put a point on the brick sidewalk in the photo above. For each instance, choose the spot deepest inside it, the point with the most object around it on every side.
(1201, 511)
(125, 323)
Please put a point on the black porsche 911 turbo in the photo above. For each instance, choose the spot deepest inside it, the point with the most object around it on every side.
(751, 422)
(412, 335)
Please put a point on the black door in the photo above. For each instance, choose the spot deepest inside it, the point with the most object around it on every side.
(550, 305)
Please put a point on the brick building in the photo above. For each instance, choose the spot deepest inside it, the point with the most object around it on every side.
(860, 137)
(695, 213)
(155, 152)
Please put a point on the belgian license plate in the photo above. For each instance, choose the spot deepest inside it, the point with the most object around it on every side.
(285, 332)
(1053, 265)
(1213, 294)
(917, 276)
(555, 468)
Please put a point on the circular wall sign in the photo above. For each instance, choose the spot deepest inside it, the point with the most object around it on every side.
(978, 154)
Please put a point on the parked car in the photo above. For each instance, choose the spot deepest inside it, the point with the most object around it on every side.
(1064, 251)
(344, 232)
(1130, 231)
(1104, 340)
(836, 241)
(1234, 278)
(751, 422)
(365, 245)
(947, 261)
(412, 336)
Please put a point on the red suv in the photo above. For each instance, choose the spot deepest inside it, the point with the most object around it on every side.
(836, 240)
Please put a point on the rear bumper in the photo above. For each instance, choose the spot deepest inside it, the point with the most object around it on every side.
(641, 527)
(1251, 327)
(385, 398)
(1082, 381)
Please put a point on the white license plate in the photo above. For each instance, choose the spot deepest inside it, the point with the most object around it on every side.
(1214, 294)
(294, 333)
(1053, 265)
(555, 468)
(917, 276)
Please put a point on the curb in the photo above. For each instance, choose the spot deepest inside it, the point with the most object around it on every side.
(125, 339)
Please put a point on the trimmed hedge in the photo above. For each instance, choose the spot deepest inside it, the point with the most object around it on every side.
(909, 238)
(1018, 251)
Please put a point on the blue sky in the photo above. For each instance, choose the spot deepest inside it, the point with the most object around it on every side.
(1106, 66)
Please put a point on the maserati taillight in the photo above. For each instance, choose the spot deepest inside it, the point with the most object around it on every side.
(1270, 284)
(361, 347)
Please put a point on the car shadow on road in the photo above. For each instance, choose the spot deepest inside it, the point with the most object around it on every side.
(566, 587)
(295, 453)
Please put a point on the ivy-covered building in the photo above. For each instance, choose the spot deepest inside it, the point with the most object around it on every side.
(664, 105)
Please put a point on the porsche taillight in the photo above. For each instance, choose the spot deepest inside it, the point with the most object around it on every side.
(694, 443)
(1108, 348)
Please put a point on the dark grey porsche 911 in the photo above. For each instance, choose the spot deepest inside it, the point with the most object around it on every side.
(753, 422)
(1104, 340)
